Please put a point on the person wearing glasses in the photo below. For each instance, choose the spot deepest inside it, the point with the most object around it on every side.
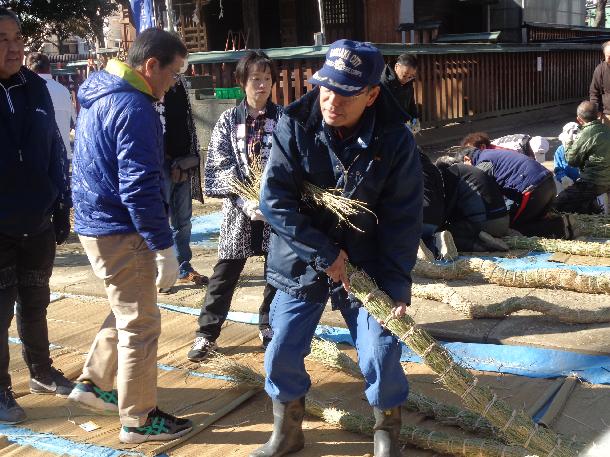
(120, 215)
(346, 133)
(240, 141)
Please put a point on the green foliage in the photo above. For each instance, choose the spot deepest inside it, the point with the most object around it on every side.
(41, 19)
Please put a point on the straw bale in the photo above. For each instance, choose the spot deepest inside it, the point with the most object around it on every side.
(551, 245)
(445, 294)
(556, 278)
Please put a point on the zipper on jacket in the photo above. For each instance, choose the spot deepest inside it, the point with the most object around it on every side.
(8, 98)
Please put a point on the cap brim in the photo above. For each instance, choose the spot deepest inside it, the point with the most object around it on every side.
(326, 79)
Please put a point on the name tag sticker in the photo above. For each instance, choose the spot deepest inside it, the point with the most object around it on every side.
(89, 426)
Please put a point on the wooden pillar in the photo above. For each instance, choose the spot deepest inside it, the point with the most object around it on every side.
(251, 23)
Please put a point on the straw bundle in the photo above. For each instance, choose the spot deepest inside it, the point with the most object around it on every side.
(592, 225)
(540, 278)
(446, 294)
(312, 195)
(333, 201)
(244, 376)
(551, 245)
(328, 353)
(515, 426)
(250, 188)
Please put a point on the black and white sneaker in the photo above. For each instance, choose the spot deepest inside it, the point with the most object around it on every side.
(201, 349)
(159, 426)
(265, 335)
(51, 382)
(87, 393)
(10, 411)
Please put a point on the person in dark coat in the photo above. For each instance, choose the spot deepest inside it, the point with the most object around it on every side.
(182, 175)
(599, 90)
(528, 185)
(346, 133)
(34, 216)
(476, 213)
(437, 243)
(399, 79)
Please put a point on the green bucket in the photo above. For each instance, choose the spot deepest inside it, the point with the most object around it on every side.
(228, 92)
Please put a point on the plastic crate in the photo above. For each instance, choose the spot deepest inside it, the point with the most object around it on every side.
(228, 92)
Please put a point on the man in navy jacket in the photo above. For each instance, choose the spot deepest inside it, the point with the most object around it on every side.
(347, 133)
(34, 216)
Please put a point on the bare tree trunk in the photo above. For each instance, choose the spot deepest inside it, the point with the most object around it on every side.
(600, 14)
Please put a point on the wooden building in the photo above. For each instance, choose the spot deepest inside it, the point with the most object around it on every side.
(223, 25)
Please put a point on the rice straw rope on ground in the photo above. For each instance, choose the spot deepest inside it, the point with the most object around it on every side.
(446, 294)
(328, 354)
(552, 245)
(516, 426)
(555, 278)
(344, 208)
(242, 375)
(593, 225)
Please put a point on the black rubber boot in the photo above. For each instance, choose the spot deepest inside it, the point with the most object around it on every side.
(387, 432)
(287, 436)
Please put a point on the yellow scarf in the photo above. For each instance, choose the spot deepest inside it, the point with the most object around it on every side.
(133, 77)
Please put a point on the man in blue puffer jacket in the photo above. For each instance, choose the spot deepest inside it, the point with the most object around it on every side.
(34, 217)
(121, 218)
(347, 133)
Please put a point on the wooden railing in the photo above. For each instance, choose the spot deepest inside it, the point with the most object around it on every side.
(539, 32)
(455, 82)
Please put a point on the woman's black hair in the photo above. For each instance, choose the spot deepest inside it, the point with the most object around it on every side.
(251, 61)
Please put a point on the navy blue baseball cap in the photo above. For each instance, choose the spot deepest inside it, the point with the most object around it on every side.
(350, 66)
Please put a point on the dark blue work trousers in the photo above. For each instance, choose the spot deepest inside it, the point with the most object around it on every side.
(294, 323)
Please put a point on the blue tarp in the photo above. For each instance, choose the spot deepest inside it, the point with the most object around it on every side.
(205, 230)
(520, 360)
(540, 260)
(50, 443)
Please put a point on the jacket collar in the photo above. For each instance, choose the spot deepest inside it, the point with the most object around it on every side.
(130, 75)
(242, 111)
(589, 124)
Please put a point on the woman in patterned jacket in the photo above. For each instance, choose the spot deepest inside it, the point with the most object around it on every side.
(241, 138)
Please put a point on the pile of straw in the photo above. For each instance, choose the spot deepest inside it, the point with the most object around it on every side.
(551, 245)
(243, 375)
(446, 294)
(556, 278)
(515, 426)
(592, 225)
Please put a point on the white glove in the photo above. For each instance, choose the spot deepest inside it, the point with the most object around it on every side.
(568, 137)
(257, 216)
(249, 206)
(566, 182)
(167, 268)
